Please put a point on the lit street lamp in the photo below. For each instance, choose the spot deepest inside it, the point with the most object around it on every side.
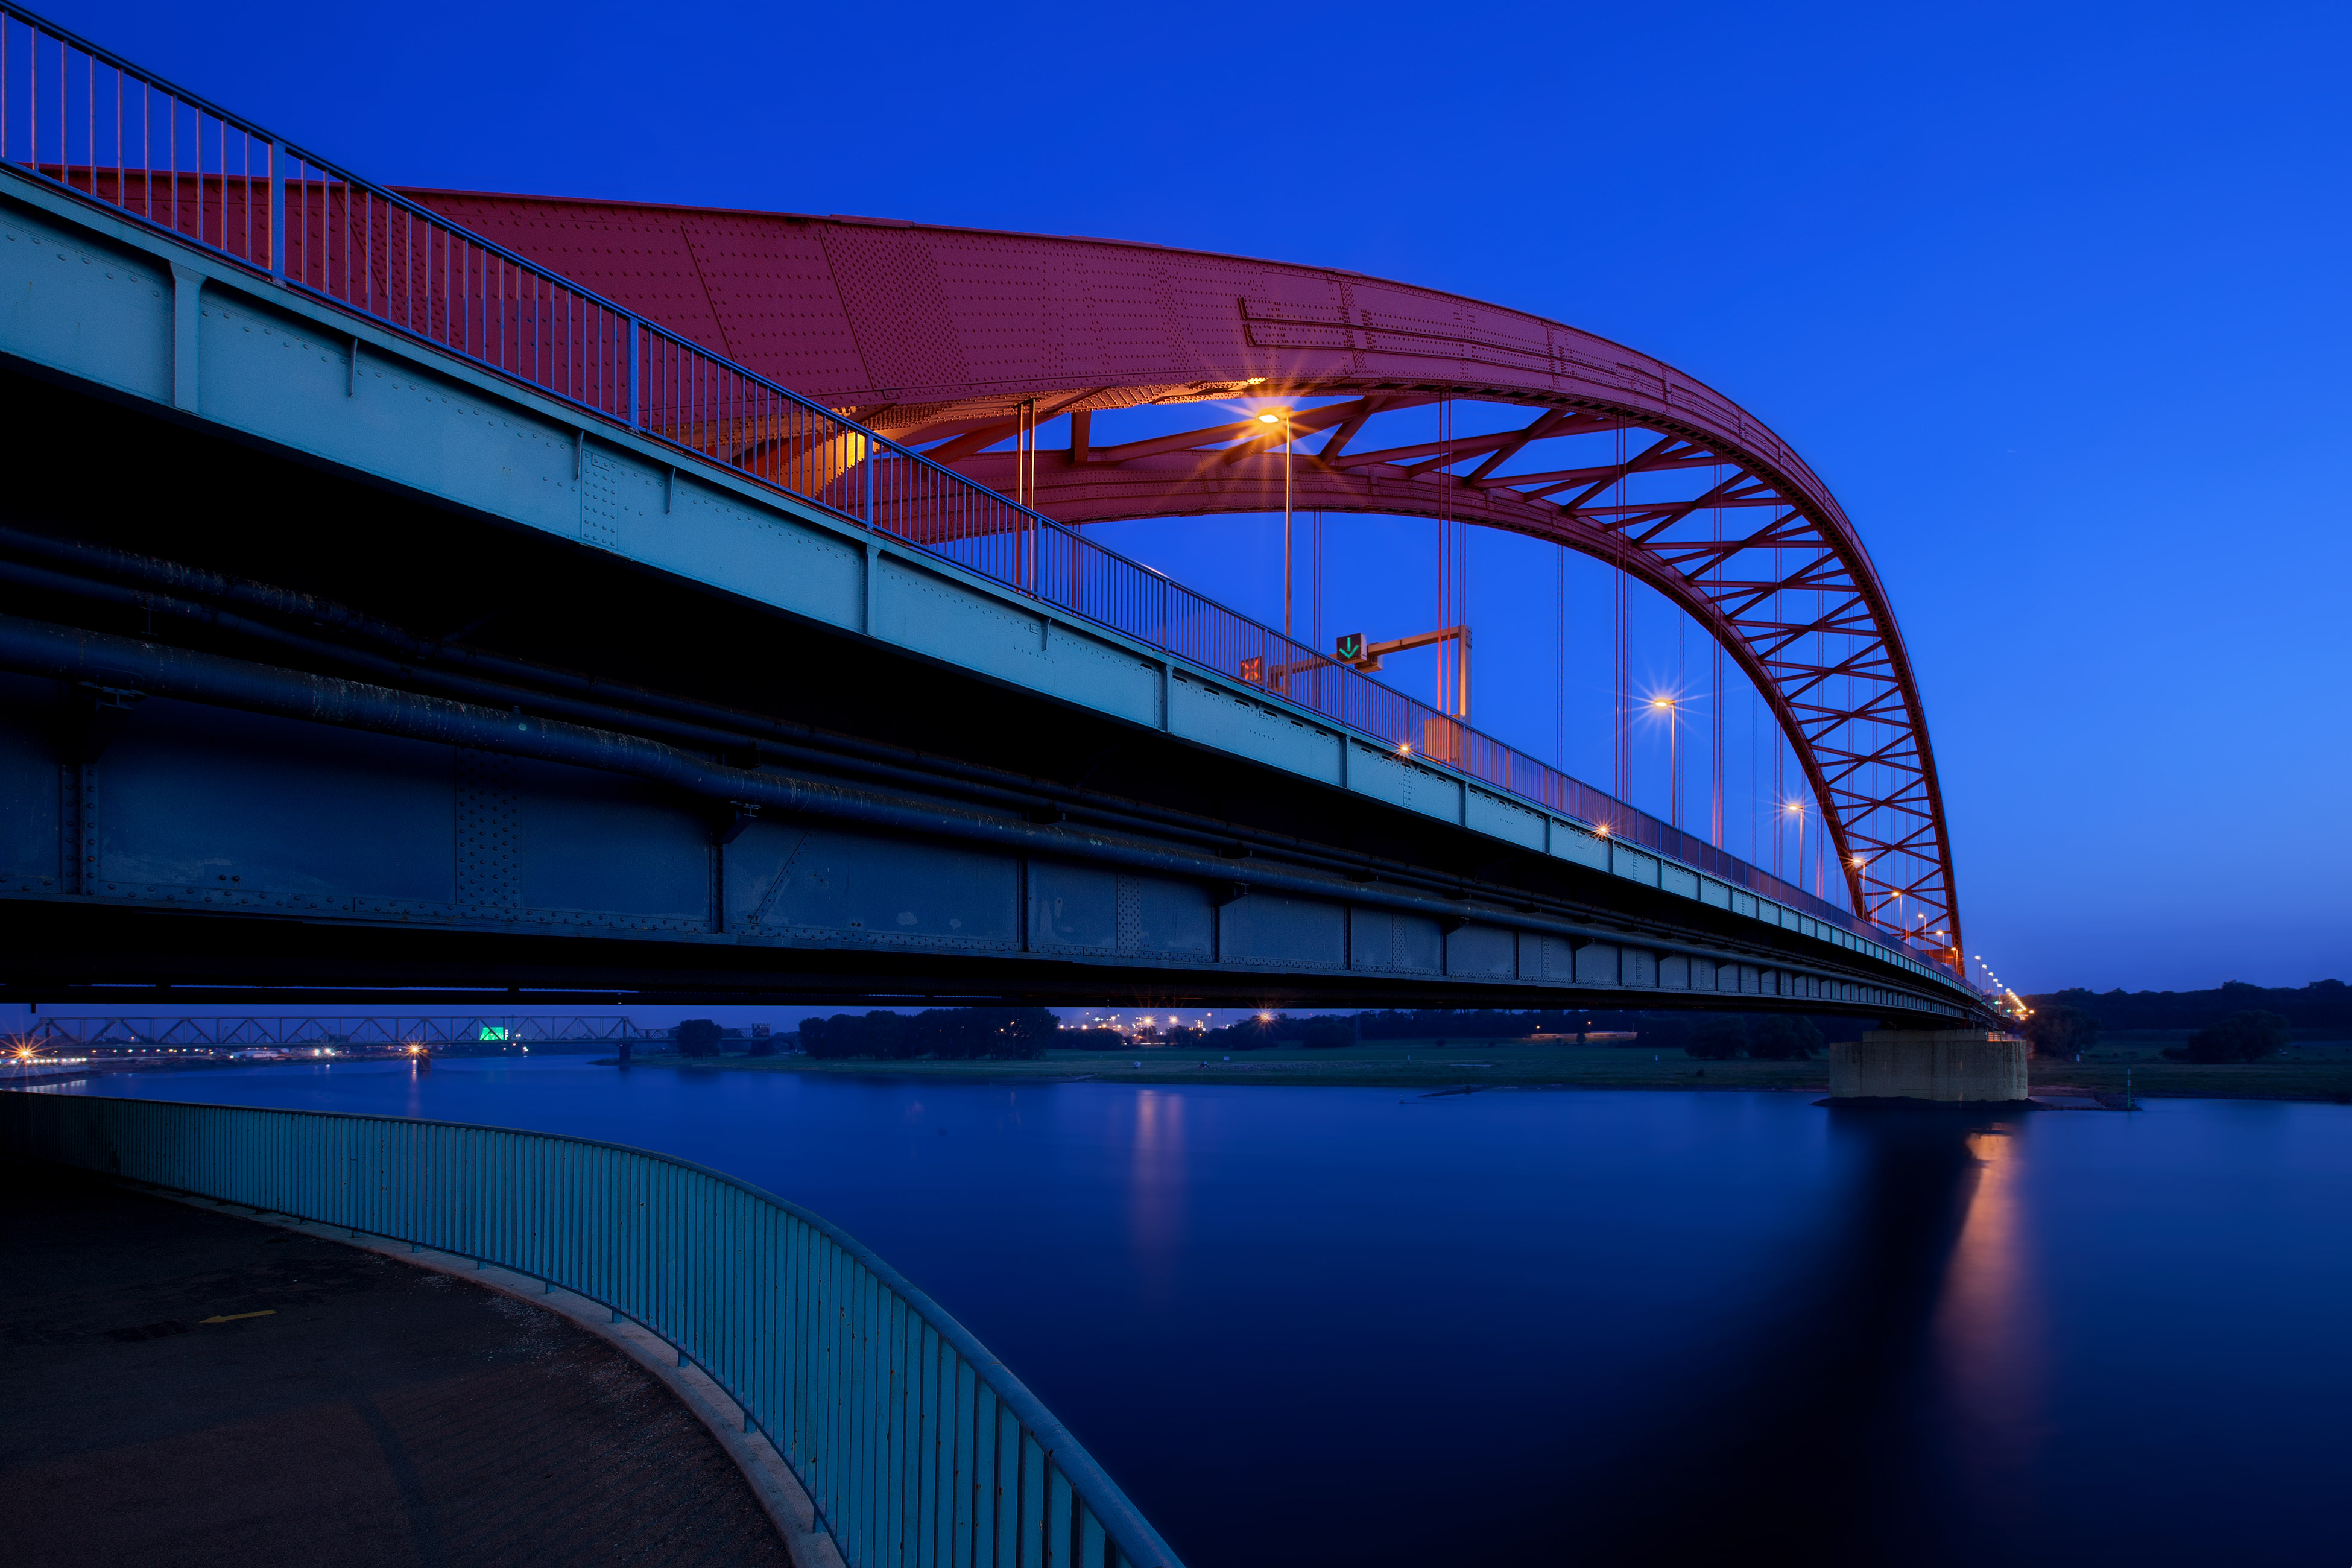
(1281, 417)
(1672, 709)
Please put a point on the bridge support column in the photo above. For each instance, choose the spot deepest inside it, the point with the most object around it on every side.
(1947, 1066)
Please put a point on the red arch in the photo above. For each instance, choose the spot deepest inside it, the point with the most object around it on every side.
(934, 335)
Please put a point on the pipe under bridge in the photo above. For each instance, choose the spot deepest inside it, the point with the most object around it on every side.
(434, 641)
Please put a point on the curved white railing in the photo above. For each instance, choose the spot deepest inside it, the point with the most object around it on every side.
(917, 1447)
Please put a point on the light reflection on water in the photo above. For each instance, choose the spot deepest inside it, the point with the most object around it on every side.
(1157, 1186)
(1989, 1326)
(1344, 1326)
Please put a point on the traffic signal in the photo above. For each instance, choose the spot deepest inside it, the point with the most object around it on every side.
(1350, 648)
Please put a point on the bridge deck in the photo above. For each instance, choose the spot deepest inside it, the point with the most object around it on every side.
(329, 659)
(376, 1414)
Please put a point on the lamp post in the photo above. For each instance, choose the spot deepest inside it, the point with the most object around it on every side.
(1671, 706)
(1281, 417)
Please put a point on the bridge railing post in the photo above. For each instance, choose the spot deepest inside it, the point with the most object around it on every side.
(277, 210)
(636, 336)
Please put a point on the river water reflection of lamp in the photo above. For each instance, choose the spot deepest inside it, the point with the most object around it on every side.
(1987, 1326)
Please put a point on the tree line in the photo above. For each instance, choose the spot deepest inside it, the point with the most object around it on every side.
(949, 1033)
(2063, 1032)
(2322, 1004)
(2233, 1021)
(2057, 1029)
(705, 1037)
(1715, 1036)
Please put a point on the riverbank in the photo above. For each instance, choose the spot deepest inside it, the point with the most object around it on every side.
(1428, 1066)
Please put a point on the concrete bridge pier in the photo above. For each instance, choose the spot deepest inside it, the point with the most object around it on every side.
(1945, 1066)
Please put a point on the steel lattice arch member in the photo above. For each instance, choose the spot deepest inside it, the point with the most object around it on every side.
(950, 339)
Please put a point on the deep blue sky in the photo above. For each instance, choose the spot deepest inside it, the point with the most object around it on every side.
(2053, 297)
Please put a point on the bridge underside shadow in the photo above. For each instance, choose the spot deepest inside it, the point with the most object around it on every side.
(265, 723)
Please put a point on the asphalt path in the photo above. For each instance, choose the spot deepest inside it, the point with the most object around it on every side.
(181, 1387)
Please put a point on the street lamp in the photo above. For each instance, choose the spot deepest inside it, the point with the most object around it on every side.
(1281, 417)
(1672, 708)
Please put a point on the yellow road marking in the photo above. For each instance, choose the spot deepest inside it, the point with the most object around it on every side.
(233, 1316)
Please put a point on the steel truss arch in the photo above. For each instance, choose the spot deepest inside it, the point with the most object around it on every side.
(939, 337)
(1657, 542)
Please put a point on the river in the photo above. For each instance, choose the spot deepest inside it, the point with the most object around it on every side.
(1357, 1326)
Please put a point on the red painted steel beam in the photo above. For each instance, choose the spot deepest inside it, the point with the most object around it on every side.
(934, 334)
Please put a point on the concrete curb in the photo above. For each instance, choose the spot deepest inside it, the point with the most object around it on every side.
(773, 1482)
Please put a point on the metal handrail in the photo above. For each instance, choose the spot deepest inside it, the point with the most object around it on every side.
(365, 248)
(914, 1442)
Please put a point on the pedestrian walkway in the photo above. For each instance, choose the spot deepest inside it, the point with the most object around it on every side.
(180, 1386)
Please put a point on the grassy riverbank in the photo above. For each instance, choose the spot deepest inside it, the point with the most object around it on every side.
(2312, 1068)
(2285, 1078)
(1426, 1066)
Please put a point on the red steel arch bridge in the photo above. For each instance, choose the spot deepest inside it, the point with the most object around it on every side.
(546, 510)
(962, 342)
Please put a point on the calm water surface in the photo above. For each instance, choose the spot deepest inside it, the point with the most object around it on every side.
(1333, 1326)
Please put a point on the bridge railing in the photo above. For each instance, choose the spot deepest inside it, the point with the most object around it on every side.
(917, 1446)
(77, 115)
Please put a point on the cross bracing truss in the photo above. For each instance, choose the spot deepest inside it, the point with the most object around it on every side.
(388, 1031)
(1796, 606)
(1729, 545)
(950, 338)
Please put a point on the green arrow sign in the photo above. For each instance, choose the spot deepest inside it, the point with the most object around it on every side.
(1351, 648)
